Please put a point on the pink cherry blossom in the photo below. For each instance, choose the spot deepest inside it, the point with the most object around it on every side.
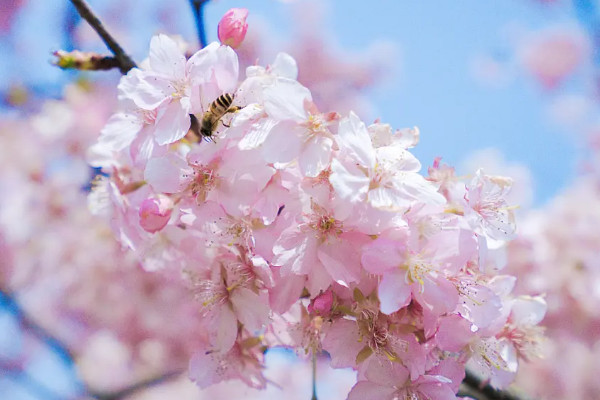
(155, 213)
(386, 176)
(232, 27)
(553, 54)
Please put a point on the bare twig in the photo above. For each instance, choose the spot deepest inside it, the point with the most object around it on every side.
(32, 385)
(84, 61)
(136, 387)
(198, 8)
(125, 62)
(474, 387)
(30, 326)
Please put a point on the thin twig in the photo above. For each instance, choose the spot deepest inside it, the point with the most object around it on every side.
(198, 8)
(30, 326)
(125, 62)
(33, 386)
(136, 387)
(476, 388)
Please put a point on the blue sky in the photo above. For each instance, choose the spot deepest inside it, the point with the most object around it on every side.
(431, 86)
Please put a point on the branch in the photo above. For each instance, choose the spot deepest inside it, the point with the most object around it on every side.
(476, 388)
(198, 7)
(30, 326)
(84, 61)
(32, 385)
(125, 62)
(136, 387)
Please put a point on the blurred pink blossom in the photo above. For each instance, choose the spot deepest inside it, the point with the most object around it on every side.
(552, 55)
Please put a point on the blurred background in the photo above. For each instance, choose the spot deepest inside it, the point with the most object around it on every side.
(509, 86)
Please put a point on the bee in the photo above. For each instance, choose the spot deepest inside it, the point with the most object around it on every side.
(211, 118)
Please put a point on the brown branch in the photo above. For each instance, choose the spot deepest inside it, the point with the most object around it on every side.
(84, 61)
(125, 62)
(479, 389)
(136, 387)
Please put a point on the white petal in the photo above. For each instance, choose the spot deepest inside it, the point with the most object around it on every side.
(120, 131)
(348, 181)
(285, 66)
(315, 156)
(145, 89)
(527, 310)
(172, 123)
(283, 143)
(354, 138)
(395, 157)
(166, 58)
(215, 62)
(257, 134)
(285, 100)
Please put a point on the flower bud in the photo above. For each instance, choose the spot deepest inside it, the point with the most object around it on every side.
(232, 27)
(155, 212)
(321, 305)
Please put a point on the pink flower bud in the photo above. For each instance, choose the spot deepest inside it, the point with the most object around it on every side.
(155, 212)
(321, 305)
(233, 27)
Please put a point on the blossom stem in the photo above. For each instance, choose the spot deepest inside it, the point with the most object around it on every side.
(198, 7)
(125, 62)
(314, 376)
(475, 387)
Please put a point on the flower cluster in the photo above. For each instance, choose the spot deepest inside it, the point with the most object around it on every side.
(557, 254)
(299, 227)
(63, 264)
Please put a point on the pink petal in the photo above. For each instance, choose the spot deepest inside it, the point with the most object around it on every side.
(250, 309)
(394, 293)
(341, 258)
(454, 333)
(167, 174)
(439, 295)
(383, 255)
(365, 390)
(387, 373)
(286, 292)
(223, 328)
(295, 252)
(341, 342)
(438, 391)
